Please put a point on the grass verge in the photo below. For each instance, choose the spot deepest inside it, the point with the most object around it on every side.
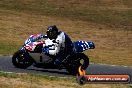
(13, 80)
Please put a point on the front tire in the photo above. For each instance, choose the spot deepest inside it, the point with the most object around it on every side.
(20, 61)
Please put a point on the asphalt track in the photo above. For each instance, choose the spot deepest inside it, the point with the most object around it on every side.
(6, 66)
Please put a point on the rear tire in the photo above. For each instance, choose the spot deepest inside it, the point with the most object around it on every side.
(81, 80)
(73, 69)
(20, 61)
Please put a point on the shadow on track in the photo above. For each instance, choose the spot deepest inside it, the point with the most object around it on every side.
(51, 71)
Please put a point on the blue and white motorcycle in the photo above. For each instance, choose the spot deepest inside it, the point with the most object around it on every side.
(31, 54)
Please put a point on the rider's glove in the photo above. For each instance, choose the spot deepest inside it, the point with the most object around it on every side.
(44, 36)
(45, 50)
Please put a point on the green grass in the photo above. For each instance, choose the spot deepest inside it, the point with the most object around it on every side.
(8, 49)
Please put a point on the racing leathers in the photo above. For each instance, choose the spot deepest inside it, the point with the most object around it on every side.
(60, 47)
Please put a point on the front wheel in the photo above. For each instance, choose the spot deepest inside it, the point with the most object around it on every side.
(20, 61)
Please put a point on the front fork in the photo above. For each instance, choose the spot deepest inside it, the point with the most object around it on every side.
(24, 53)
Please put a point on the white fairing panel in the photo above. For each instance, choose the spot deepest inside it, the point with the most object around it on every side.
(40, 57)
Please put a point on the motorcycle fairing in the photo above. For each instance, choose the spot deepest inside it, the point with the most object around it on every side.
(80, 46)
(32, 46)
(41, 58)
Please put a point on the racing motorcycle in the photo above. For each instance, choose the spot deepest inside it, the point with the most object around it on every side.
(31, 54)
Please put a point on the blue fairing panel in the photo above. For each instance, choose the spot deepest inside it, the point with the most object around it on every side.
(91, 45)
(80, 46)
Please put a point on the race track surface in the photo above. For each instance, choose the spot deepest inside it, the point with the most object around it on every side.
(6, 66)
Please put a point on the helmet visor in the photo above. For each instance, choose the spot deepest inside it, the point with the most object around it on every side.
(50, 34)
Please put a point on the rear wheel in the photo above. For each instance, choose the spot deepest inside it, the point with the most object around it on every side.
(81, 80)
(73, 69)
(20, 61)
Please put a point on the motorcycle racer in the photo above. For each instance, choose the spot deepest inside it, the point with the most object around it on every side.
(57, 44)
(61, 42)
(54, 50)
